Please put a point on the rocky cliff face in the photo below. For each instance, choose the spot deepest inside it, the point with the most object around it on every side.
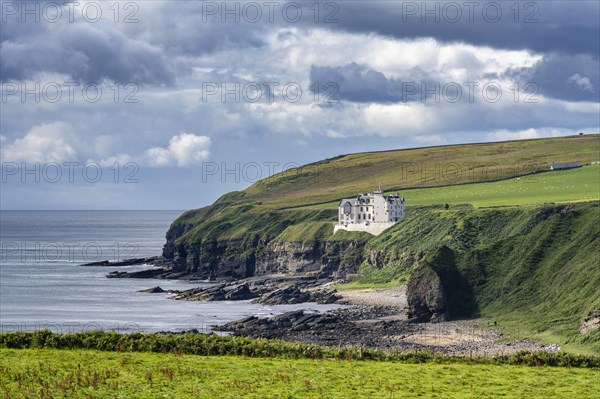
(310, 257)
(425, 295)
(234, 259)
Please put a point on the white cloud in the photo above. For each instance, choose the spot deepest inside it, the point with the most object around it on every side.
(184, 150)
(393, 57)
(583, 82)
(503, 134)
(534, 133)
(48, 142)
(120, 159)
(398, 119)
(158, 156)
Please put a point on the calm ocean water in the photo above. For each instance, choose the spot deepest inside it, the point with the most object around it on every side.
(42, 286)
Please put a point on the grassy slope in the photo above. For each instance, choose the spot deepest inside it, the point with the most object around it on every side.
(87, 374)
(255, 212)
(432, 166)
(559, 186)
(239, 218)
(535, 268)
(575, 185)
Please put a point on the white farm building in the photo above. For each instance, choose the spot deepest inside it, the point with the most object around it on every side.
(373, 212)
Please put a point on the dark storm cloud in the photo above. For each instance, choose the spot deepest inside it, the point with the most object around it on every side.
(86, 52)
(189, 29)
(150, 51)
(354, 82)
(560, 76)
(570, 27)
(163, 44)
(362, 84)
(565, 77)
(566, 33)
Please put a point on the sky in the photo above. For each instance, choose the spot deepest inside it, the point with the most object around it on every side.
(171, 104)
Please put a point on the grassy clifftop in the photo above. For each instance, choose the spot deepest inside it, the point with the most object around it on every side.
(348, 175)
(263, 211)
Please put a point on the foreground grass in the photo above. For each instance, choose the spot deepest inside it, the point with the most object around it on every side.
(47, 373)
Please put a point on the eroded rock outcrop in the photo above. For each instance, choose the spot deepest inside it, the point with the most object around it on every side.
(264, 290)
(425, 295)
(358, 325)
(236, 259)
(291, 295)
(221, 292)
(591, 322)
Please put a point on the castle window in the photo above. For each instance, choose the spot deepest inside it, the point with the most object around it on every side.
(347, 208)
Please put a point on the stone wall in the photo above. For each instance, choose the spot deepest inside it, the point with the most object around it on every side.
(371, 228)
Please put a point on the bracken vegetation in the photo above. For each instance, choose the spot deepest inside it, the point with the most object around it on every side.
(215, 345)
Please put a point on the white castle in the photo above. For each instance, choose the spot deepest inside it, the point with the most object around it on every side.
(371, 212)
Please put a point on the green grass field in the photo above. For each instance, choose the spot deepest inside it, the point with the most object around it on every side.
(575, 185)
(49, 373)
(348, 175)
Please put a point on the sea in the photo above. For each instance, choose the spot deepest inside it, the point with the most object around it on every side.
(44, 286)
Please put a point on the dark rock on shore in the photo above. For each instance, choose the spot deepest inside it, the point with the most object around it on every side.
(293, 295)
(158, 290)
(126, 262)
(221, 292)
(264, 290)
(153, 290)
(150, 273)
(359, 325)
(273, 327)
(425, 295)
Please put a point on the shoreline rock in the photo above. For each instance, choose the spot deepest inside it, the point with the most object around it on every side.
(127, 262)
(159, 290)
(380, 327)
(425, 295)
(266, 290)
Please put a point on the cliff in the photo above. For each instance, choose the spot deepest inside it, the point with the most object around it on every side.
(257, 243)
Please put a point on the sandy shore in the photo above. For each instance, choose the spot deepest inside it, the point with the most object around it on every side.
(392, 297)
